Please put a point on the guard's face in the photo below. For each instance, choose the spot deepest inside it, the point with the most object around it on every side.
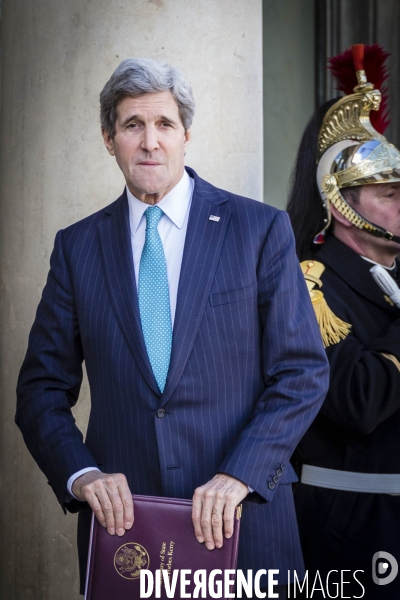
(149, 144)
(380, 204)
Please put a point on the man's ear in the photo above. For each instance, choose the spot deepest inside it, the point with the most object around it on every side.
(188, 133)
(108, 142)
(340, 218)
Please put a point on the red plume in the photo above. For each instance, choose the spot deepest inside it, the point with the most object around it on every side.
(358, 56)
(344, 67)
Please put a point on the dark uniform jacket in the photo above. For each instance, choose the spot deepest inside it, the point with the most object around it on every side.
(357, 429)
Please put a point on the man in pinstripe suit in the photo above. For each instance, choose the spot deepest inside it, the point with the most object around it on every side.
(244, 368)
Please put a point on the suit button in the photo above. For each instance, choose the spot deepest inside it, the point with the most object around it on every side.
(161, 413)
(281, 467)
(271, 485)
(275, 479)
(279, 472)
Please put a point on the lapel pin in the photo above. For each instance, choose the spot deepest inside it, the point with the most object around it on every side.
(214, 218)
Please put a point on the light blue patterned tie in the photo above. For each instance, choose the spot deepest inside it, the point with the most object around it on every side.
(154, 305)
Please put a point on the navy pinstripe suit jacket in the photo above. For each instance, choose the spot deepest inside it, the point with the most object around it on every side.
(247, 375)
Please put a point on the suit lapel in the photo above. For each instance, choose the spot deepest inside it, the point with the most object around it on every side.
(115, 243)
(203, 245)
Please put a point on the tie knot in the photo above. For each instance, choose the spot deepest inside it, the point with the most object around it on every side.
(153, 216)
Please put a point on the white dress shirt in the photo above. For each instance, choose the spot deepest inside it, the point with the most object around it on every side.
(172, 228)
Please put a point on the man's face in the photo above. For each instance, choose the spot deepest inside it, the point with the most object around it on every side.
(380, 204)
(149, 144)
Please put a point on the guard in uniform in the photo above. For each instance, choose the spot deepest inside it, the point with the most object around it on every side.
(345, 211)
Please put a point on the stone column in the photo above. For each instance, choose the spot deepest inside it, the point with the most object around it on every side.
(56, 56)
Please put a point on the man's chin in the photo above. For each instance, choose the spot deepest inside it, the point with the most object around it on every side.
(147, 187)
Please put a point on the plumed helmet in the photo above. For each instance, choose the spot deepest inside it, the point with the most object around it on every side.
(352, 150)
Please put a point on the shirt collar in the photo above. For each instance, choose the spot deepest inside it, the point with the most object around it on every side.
(392, 268)
(174, 205)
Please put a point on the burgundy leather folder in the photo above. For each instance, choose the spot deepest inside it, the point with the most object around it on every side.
(162, 537)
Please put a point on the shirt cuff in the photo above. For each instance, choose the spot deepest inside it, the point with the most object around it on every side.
(71, 480)
(250, 489)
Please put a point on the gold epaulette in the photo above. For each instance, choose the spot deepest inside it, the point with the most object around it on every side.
(332, 328)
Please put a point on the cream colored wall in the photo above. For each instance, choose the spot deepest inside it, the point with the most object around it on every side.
(54, 170)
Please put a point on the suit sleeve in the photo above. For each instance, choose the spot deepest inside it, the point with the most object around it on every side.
(365, 381)
(50, 380)
(295, 368)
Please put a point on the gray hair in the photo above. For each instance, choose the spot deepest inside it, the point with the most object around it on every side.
(137, 76)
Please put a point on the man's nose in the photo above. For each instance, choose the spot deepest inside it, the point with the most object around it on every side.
(150, 139)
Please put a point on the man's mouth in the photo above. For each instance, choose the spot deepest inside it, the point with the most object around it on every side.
(149, 163)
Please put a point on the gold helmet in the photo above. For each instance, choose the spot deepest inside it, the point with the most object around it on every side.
(351, 152)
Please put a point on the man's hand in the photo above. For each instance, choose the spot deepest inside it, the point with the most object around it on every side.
(213, 506)
(109, 497)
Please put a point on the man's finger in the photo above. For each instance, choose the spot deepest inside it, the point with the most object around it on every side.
(126, 502)
(117, 506)
(216, 523)
(95, 505)
(107, 506)
(196, 515)
(217, 515)
(205, 519)
(229, 515)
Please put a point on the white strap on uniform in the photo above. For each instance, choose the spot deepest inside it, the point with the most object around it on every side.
(370, 483)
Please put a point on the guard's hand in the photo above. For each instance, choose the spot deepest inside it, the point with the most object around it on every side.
(109, 497)
(214, 506)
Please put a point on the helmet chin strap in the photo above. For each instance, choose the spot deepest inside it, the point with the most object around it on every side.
(382, 233)
(331, 190)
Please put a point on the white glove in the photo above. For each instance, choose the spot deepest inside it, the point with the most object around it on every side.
(386, 283)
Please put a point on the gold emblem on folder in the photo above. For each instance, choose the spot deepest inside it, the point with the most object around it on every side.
(129, 559)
